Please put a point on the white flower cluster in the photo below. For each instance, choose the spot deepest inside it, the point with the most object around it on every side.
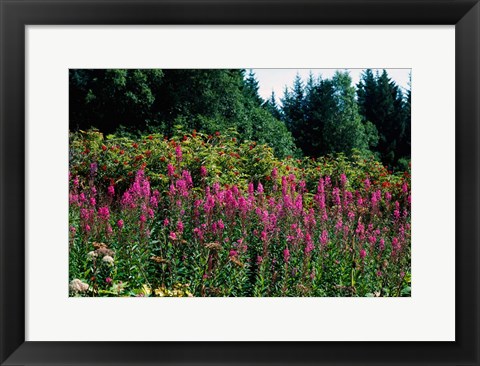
(77, 286)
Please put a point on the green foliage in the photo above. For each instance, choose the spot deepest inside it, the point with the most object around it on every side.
(323, 117)
(107, 99)
(158, 101)
(147, 256)
(382, 103)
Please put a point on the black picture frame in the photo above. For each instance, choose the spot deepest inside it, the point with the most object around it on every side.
(16, 14)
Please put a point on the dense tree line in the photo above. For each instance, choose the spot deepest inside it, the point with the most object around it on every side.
(166, 100)
(318, 117)
(329, 116)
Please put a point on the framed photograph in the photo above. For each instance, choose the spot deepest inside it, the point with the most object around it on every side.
(240, 182)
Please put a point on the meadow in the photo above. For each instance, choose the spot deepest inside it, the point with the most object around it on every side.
(208, 215)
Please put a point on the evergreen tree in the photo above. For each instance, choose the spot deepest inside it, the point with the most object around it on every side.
(382, 103)
(323, 117)
(345, 131)
(320, 109)
(251, 89)
(293, 110)
(272, 107)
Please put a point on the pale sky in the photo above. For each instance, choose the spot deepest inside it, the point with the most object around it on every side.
(277, 79)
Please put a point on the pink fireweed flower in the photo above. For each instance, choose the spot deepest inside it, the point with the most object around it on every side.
(108, 280)
(111, 191)
(104, 213)
(143, 218)
(347, 198)
(203, 171)
(172, 190)
(209, 204)
(93, 168)
(170, 170)
(154, 201)
(388, 196)
(127, 199)
(328, 181)
(366, 183)
(120, 224)
(250, 188)
(76, 182)
(303, 186)
(360, 201)
(284, 186)
(363, 253)
(396, 244)
(286, 255)
(263, 236)
(336, 196)
(260, 188)
(82, 198)
(221, 225)
(321, 186)
(381, 245)
(173, 236)
(324, 237)
(73, 230)
(166, 222)
(274, 173)
(150, 213)
(351, 215)
(343, 179)
(405, 188)
(287, 202)
(87, 228)
(309, 243)
(180, 227)
(396, 214)
(299, 203)
(235, 190)
(181, 187)
(93, 202)
(109, 229)
(145, 190)
(178, 152)
(360, 231)
(187, 178)
(339, 224)
(259, 259)
(198, 232)
(233, 253)
(73, 198)
(86, 214)
(242, 205)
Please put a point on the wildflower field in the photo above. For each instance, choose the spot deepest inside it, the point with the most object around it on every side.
(206, 215)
